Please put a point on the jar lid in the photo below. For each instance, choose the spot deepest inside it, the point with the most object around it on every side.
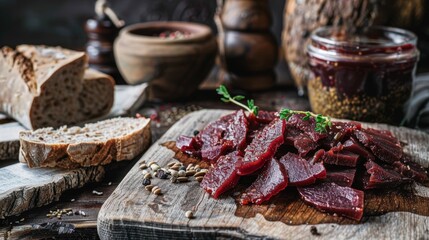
(378, 42)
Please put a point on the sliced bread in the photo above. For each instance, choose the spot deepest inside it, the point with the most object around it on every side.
(94, 144)
(45, 87)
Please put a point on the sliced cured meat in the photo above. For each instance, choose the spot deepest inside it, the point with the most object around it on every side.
(189, 145)
(354, 146)
(342, 158)
(382, 144)
(342, 177)
(263, 147)
(307, 126)
(222, 176)
(407, 168)
(332, 198)
(224, 135)
(271, 180)
(339, 132)
(301, 141)
(380, 177)
(300, 171)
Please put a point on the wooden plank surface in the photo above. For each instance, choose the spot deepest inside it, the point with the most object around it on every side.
(23, 188)
(132, 213)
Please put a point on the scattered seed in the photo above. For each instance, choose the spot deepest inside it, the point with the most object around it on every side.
(176, 168)
(196, 132)
(142, 162)
(155, 167)
(156, 191)
(48, 215)
(146, 181)
(189, 167)
(199, 174)
(110, 184)
(22, 219)
(95, 192)
(182, 173)
(173, 179)
(190, 173)
(148, 176)
(182, 168)
(143, 166)
(69, 213)
(314, 231)
(161, 174)
(149, 187)
(173, 172)
(182, 179)
(189, 214)
(203, 170)
(171, 164)
(177, 165)
(150, 163)
(199, 179)
(72, 200)
(82, 213)
(144, 172)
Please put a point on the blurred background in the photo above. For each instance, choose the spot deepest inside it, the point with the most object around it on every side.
(53, 22)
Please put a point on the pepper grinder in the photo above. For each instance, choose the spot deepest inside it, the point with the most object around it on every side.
(102, 31)
(248, 49)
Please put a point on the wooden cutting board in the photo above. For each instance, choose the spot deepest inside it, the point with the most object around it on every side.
(131, 212)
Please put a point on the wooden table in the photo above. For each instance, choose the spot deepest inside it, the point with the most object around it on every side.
(29, 225)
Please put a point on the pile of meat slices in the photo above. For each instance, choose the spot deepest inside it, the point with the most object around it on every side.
(330, 170)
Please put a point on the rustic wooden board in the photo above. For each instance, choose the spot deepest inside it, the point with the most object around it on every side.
(23, 188)
(133, 213)
(127, 100)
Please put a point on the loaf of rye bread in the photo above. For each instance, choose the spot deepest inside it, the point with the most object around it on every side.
(45, 86)
(94, 144)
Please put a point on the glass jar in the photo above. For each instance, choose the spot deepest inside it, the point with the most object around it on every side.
(366, 76)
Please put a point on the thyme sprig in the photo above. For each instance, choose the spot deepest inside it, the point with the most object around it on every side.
(322, 122)
(226, 97)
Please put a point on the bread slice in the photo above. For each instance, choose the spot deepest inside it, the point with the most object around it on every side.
(45, 87)
(94, 144)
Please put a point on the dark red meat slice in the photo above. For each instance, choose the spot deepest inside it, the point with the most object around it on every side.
(380, 177)
(224, 135)
(354, 146)
(271, 180)
(189, 145)
(382, 143)
(300, 171)
(342, 158)
(222, 176)
(301, 141)
(407, 168)
(265, 117)
(263, 147)
(317, 169)
(338, 132)
(342, 177)
(332, 198)
(307, 126)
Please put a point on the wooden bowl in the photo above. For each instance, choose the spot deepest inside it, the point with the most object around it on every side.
(173, 67)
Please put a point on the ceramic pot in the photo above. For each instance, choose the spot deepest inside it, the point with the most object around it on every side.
(173, 67)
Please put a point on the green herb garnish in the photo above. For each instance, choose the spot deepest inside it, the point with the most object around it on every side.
(226, 97)
(322, 122)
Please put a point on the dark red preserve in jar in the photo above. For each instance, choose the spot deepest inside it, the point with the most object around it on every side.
(366, 76)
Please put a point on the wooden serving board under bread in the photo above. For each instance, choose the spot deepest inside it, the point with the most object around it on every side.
(131, 212)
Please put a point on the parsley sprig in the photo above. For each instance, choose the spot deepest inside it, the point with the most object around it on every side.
(226, 97)
(322, 122)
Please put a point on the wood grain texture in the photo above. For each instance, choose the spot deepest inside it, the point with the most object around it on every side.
(23, 188)
(132, 213)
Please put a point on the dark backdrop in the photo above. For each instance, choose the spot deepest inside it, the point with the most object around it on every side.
(55, 22)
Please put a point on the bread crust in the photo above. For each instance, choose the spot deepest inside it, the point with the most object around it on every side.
(45, 86)
(84, 154)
